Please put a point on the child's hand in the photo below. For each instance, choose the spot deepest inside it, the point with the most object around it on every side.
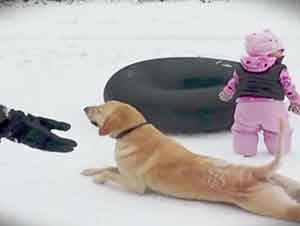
(295, 108)
(223, 96)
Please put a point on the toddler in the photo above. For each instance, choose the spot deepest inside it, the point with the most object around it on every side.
(260, 84)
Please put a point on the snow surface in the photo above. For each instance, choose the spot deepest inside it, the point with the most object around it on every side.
(55, 59)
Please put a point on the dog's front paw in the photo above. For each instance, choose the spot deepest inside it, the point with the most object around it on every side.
(297, 195)
(90, 172)
(100, 178)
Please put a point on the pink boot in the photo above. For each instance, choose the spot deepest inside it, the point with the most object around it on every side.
(271, 140)
(245, 143)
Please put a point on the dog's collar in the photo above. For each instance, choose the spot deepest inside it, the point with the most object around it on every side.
(124, 133)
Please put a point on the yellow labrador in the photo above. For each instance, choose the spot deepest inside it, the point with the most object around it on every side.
(148, 160)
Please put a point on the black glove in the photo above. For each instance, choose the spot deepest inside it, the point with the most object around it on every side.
(3, 113)
(36, 132)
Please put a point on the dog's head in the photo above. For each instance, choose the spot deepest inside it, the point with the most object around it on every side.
(113, 117)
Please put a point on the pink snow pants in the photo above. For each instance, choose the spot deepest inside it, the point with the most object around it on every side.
(251, 117)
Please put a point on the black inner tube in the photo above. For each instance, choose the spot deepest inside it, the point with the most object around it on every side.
(177, 95)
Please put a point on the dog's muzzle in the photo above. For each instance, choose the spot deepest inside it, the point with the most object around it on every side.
(94, 123)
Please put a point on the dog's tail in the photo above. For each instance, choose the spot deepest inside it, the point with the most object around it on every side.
(266, 171)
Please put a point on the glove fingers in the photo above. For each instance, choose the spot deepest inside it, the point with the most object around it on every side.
(69, 142)
(53, 124)
(63, 126)
(59, 144)
(56, 146)
(52, 147)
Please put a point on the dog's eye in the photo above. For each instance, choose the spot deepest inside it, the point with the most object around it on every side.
(94, 123)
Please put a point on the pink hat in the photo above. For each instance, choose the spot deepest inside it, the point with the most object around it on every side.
(262, 43)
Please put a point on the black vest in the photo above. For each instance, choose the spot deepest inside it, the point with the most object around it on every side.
(261, 84)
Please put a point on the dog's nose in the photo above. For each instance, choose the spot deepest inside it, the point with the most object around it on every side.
(86, 109)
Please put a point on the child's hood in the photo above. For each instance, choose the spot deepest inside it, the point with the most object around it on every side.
(258, 63)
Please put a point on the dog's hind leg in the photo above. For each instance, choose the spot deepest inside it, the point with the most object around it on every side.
(95, 171)
(271, 200)
(132, 184)
(292, 187)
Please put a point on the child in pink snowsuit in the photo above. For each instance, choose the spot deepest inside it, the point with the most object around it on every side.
(260, 83)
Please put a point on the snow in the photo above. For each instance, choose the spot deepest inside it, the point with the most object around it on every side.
(55, 59)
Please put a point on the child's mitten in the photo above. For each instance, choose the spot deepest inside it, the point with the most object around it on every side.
(223, 96)
(295, 108)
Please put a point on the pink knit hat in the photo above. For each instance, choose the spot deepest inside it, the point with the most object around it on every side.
(262, 43)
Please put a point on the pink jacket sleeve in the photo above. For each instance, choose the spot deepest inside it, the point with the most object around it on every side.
(289, 87)
(231, 85)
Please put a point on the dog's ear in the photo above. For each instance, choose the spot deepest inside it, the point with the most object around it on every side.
(109, 125)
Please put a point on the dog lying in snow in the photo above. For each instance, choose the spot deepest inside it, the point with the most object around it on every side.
(148, 160)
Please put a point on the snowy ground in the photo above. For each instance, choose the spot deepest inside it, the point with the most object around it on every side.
(55, 60)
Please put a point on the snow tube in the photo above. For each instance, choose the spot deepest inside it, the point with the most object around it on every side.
(177, 95)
